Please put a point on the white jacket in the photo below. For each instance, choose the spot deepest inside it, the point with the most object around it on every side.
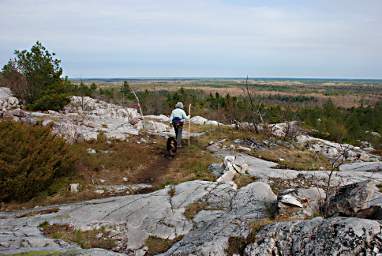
(179, 113)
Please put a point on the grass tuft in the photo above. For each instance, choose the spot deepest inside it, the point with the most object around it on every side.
(243, 180)
(194, 208)
(157, 245)
(96, 238)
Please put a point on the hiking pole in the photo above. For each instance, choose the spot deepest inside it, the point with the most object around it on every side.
(189, 125)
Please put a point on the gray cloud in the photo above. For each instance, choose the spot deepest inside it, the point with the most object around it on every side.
(200, 38)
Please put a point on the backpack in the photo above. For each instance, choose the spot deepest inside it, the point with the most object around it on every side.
(176, 122)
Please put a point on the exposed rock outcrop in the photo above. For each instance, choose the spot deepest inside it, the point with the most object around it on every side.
(353, 198)
(333, 150)
(333, 236)
(159, 214)
(85, 118)
(362, 166)
(229, 214)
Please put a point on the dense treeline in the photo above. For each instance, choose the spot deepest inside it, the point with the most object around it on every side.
(327, 121)
(345, 125)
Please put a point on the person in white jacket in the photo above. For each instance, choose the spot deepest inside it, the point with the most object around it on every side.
(177, 118)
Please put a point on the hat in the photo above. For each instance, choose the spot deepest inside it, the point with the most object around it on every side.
(179, 105)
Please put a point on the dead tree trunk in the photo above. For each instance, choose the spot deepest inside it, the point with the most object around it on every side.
(335, 164)
(257, 116)
(139, 106)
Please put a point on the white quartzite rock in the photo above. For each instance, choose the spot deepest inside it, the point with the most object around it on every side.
(7, 101)
(198, 120)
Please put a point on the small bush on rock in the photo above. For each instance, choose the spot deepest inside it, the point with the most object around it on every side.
(31, 159)
(34, 77)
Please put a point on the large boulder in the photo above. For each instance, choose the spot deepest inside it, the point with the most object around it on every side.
(7, 101)
(287, 129)
(352, 198)
(213, 123)
(156, 127)
(198, 120)
(300, 202)
(333, 236)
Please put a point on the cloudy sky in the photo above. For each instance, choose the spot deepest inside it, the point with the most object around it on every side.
(214, 38)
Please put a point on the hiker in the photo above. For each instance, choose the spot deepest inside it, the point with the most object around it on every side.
(177, 118)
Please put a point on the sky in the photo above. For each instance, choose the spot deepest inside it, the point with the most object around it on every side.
(200, 38)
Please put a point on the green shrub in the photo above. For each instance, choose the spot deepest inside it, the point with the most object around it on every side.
(50, 102)
(34, 77)
(31, 159)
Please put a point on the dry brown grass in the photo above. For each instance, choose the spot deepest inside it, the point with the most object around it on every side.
(158, 245)
(256, 226)
(379, 186)
(297, 159)
(38, 212)
(345, 101)
(96, 238)
(243, 180)
(136, 161)
(194, 208)
(218, 133)
(236, 245)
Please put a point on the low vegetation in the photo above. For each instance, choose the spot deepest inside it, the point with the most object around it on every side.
(243, 180)
(95, 238)
(379, 186)
(194, 208)
(113, 163)
(293, 158)
(236, 245)
(256, 226)
(157, 245)
(31, 161)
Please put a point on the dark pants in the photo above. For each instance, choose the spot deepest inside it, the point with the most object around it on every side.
(178, 134)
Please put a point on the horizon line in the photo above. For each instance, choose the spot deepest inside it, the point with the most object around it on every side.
(221, 77)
